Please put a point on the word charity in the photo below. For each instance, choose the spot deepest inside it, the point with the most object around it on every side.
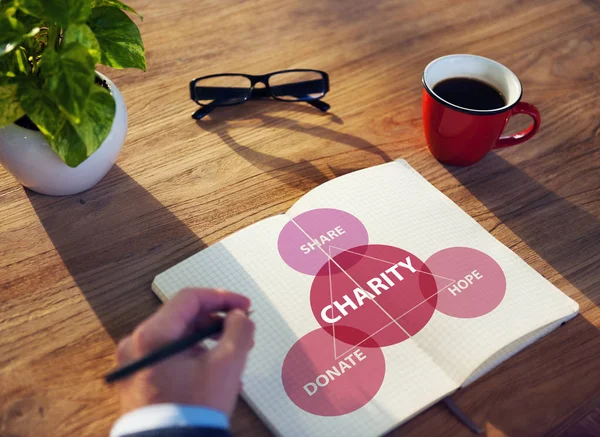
(383, 282)
(336, 370)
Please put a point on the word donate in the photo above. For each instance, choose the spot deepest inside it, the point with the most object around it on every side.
(330, 374)
(323, 383)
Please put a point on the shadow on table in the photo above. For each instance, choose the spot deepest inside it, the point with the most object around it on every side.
(301, 175)
(593, 4)
(539, 217)
(113, 239)
(555, 376)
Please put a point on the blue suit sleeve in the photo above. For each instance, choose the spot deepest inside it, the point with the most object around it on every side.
(172, 420)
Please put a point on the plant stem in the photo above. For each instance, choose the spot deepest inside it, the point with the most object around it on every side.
(53, 35)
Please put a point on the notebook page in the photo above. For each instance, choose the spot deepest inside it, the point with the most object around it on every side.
(502, 301)
(510, 350)
(249, 262)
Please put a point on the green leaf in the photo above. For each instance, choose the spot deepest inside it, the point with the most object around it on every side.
(75, 143)
(72, 142)
(7, 8)
(119, 38)
(14, 64)
(82, 34)
(97, 119)
(115, 4)
(29, 21)
(69, 75)
(61, 12)
(13, 33)
(10, 108)
(68, 145)
(41, 109)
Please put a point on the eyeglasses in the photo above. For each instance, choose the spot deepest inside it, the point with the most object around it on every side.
(233, 89)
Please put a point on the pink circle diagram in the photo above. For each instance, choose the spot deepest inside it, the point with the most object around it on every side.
(367, 296)
(304, 243)
(384, 292)
(472, 282)
(322, 381)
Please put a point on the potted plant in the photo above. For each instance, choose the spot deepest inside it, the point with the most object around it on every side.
(62, 123)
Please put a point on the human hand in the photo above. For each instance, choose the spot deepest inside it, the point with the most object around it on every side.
(198, 376)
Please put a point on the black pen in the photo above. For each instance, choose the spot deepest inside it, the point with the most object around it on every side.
(166, 351)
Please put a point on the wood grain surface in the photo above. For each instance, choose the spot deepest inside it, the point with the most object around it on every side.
(75, 272)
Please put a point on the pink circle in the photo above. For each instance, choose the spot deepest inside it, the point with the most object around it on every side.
(471, 282)
(367, 289)
(304, 243)
(326, 382)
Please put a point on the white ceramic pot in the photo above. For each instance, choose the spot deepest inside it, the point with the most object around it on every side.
(28, 157)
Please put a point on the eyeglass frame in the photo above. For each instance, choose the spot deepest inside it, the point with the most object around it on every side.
(263, 92)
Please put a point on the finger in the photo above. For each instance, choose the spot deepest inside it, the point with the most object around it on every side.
(125, 353)
(215, 337)
(238, 335)
(196, 351)
(205, 319)
(178, 316)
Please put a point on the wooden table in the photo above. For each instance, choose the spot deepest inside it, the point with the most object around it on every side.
(75, 272)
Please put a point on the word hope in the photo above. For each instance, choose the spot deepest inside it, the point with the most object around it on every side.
(463, 284)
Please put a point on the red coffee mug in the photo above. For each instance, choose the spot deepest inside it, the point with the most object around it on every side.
(462, 136)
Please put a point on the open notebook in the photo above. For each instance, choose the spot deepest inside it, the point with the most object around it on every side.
(374, 297)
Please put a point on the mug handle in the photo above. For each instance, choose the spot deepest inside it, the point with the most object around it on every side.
(524, 135)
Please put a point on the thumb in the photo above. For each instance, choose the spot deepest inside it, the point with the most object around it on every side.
(238, 335)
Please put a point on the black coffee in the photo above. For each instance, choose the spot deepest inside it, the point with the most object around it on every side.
(469, 93)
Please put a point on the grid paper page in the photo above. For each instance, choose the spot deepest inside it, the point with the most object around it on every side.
(248, 262)
(510, 350)
(400, 208)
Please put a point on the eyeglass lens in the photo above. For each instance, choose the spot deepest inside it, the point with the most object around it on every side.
(232, 89)
(297, 85)
(222, 90)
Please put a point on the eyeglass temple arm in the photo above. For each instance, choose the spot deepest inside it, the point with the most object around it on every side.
(319, 104)
(202, 112)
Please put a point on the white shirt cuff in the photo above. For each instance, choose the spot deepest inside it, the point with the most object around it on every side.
(161, 416)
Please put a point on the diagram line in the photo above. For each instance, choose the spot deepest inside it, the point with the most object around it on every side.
(437, 276)
(331, 297)
(399, 317)
(372, 299)
(366, 256)
(387, 262)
